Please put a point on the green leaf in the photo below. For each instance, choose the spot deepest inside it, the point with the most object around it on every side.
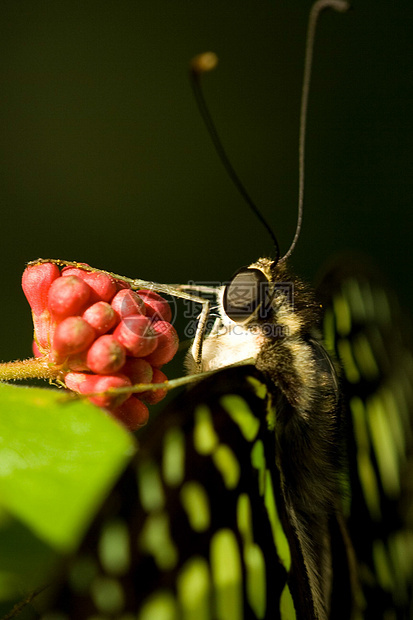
(58, 459)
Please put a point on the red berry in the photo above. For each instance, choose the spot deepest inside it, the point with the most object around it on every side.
(152, 397)
(71, 336)
(101, 316)
(103, 286)
(36, 281)
(106, 355)
(127, 302)
(138, 370)
(133, 413)
(168, 343)
(88, 384)
(68, 296)
(137, 335)
(74, 380)
(156, 306)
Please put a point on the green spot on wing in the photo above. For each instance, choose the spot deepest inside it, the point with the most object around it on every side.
(256, 579)
(155, 539)
(260, 388)
(113, 547)
(253, 558)
(342, 315)
(196, 504)
(107, 594)
(287, 609)
(351, 290)
(266, 489)
(364, 358)
(359, 423)
(397, 426)
(400, 546)
(257, 455)
(226, 576)
(369, 485)
(227, 463)
(258, 462)
(173, 459)
(384, 447)
(194, 590)
(329, 332)
(244, 518)
(365, 467)
(382, 565)
(241, 414)
(159, 606)
(205, 437)
(280, 539)
(150, 486)
(346, 356)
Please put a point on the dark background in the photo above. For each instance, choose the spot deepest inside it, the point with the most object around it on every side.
(104, 158)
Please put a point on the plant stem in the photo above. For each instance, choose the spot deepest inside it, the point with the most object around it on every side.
(33, 368)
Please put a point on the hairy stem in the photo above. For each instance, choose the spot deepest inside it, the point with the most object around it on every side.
(33, 368)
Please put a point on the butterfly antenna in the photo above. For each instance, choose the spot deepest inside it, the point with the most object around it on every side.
(200, 65)
(317, 8)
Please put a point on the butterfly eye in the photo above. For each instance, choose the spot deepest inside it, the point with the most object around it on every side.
(247, 292)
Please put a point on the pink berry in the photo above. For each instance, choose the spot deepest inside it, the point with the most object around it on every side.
(156, 306)
(168, 343)
(71, 336)
(88, 384)
(74, 380)
(36, 350)
(106, 355)
(127, 302)
(101, 316)
(36, 281)
(103, 286)
(133, 413)
(68, 297)
(152, 397)
(138, 370)
(136, 334)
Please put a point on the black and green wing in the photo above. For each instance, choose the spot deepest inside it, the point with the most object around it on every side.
(368, 332)
(196, 527)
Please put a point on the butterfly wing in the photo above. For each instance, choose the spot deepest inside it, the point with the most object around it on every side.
(366, 330)
(196, 526)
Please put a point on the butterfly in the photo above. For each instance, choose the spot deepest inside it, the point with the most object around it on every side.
(250, 498)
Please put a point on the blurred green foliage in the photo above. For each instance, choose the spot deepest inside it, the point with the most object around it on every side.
(58, 458)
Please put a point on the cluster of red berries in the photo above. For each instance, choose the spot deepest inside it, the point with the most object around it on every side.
(101, 335)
